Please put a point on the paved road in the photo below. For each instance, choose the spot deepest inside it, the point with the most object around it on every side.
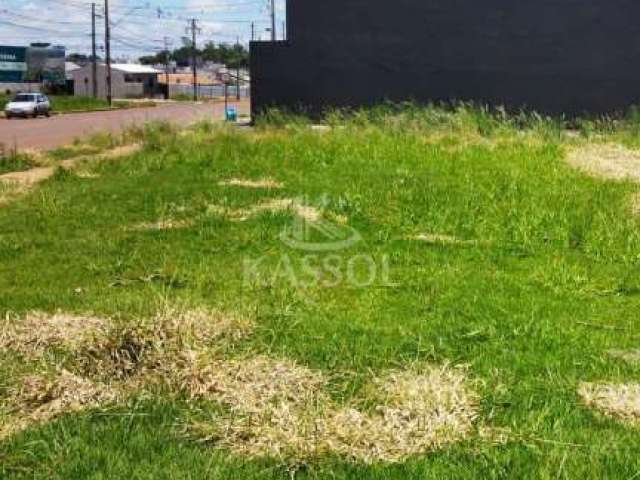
(48, 133)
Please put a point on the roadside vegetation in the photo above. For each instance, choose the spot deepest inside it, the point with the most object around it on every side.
(70, 103)
(13, 161)
(400, 293)
(92, 148)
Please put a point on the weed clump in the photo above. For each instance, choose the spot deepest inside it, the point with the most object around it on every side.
(11, 160)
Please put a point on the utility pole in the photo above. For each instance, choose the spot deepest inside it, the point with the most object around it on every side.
(273, 20)
(193, 28)
(94, 62)
(107, 43)
(166, 66)
(238, 70)
(253, 31)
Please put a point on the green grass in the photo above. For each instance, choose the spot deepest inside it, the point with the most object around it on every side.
(558, 255)
(182, 97)
(66, 103)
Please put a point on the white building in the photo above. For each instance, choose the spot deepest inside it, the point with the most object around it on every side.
(128, 80)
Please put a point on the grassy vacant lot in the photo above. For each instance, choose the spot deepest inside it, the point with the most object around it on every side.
(70, 103)
(503, 279)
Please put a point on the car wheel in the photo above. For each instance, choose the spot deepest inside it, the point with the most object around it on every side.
(35, 115)
(47, 113)
(7, 116)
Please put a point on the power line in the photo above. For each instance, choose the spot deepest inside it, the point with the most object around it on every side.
(134, 16)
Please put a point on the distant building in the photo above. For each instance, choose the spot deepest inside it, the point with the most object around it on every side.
(13, 64)
(69, 68)
(26, 68)
(203, 78)
(127, 81)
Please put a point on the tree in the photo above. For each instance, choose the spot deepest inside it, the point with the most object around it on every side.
(159, 58)
(80, 58)
(231, 55)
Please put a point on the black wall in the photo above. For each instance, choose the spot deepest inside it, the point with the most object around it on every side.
(555, 56)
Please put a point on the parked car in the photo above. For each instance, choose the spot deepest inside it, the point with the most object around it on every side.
(28, 105)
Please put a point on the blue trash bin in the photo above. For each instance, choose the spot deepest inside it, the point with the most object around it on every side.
(231, 114)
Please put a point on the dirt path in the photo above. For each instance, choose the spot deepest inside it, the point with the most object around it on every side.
(48, 133)
(14, 184)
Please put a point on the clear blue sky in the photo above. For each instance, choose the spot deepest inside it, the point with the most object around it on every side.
(138, 26)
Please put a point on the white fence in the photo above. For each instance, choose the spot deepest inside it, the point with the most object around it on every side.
(209, 91)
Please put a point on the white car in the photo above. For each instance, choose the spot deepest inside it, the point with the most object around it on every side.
(28, 105)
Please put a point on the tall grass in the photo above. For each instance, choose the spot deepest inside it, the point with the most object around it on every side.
(11, 160)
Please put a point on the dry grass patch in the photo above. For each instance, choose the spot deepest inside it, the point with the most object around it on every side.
(40, 399)
(607, 160)
(105, 360)
(87, 174)
(273, 408)
(630, 356)
(279, 409)
(109, 346)
(121, 151)
(418, 411)
(439, 239)
(37, 157)
(265, 183)
(37, 332)
(306, 212)
(160, 225)
(634, 204)
(617, 401)
(155, 349)
(28, 178)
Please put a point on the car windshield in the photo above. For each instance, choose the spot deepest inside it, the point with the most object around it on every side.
(24, 98)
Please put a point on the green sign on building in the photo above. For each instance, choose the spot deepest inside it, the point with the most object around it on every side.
(13, 64)
(39, 62)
